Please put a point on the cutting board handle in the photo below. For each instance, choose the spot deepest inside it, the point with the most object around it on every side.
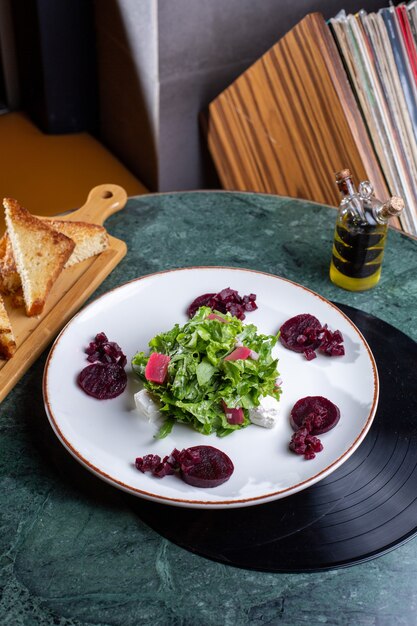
(102, 201)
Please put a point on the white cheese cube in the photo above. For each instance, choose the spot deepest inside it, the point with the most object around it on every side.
(146, 405)
(266, 414)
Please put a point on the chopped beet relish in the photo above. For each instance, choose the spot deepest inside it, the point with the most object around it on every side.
(226, 301)
(105, 351)
(331, 342)
(157, 466)
(309, 354)
(105, 378)
(304, 443)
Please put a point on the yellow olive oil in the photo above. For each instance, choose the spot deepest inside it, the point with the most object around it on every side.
(357, 256)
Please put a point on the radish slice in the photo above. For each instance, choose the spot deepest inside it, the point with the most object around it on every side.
(213, 316)
(240, 353)
(156, 369)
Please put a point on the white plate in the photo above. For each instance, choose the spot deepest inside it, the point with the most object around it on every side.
(106, 436)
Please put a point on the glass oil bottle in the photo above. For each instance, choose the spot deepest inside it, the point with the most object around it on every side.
(360, 234)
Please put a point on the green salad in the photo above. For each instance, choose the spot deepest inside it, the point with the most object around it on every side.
(204, 384)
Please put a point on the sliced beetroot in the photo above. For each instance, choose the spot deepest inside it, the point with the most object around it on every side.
(233, 416)
(239, 354)
(204, 300)
(316, 414)
(226, 301)
(156, 369)
(212, 469)
(301, 333)
(103, 380)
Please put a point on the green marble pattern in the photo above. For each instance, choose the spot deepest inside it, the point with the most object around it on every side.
(72, 550)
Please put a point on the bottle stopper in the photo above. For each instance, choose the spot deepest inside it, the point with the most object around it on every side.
(392, 207)
(342, 175)
(396, 205)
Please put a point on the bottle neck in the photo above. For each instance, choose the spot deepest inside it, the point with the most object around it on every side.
(381, 213)
(346, 187)
(351, 204)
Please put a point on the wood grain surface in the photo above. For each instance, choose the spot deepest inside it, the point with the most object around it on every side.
(72, 288)
(291, 121)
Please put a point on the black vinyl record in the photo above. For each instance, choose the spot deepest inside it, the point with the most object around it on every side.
(365, 508)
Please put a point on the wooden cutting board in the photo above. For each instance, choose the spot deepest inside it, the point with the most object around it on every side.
(70, 291)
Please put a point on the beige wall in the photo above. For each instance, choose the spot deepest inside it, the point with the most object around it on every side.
(127, 50)
(162, 61)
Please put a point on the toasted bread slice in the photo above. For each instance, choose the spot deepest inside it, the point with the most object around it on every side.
(39, 251)
(7, 340)
(9, 277)
(89, 239)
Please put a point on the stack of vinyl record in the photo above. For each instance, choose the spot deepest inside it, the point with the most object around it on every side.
(379, 51)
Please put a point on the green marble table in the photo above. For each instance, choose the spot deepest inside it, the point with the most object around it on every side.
(74, 553)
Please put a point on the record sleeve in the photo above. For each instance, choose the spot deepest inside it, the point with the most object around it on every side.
(391, 23)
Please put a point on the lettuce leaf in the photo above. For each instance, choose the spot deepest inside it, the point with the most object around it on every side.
(200, 380)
